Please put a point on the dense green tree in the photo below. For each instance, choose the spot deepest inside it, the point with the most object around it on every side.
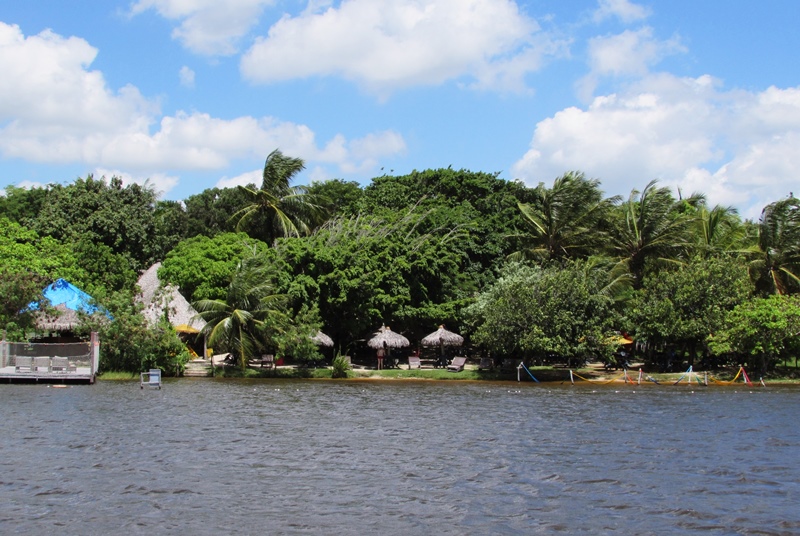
(22, 205)
(17, 290)
(129, 342)
(201, 267)
(366, 271)
(759, 331)
(481, 207)
(120, 217)
(245, 323)
(679, 307)
(278, 209)
(776, 267)
(24, 250)
(337, 197)
(651, 226)
(567, 220)
(557, 313)
(209, 212)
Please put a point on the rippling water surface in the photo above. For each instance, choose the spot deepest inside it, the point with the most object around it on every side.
(316, 457)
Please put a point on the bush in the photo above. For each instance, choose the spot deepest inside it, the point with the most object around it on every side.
(341, 366)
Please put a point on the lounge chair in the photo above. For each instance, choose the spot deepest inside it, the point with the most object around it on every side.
(23, 363)
(40, 363)
(457, 364)
(414, 362)
(62, 364)
(268, 360)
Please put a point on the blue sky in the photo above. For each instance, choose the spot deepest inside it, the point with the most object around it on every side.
(191, 94)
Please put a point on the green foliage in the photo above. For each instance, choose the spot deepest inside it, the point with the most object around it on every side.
(202, 267)
(682, 306)
(106, 213)
(250, 317)
(278, 209)
(22, 205)
(17, 290)
(567, 220)
(652, 227)
(367, 271)
(760, 330)
(338, 197)
(23, 250)
(209, 212)
(553, 313)
(129, 343)
(776, 268)
(341, 367)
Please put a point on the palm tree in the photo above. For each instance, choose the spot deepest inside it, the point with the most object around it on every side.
(652, 225)
(718, 229)
(278, 208)
(565, 220)
(245, 321)
(776, 270)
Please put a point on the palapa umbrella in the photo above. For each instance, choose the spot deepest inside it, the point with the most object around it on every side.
(322, 339)
(386, 335)
(441, 338)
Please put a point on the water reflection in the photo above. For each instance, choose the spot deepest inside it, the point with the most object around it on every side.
(313, 457)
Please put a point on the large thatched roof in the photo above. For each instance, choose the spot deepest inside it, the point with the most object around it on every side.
(322, 339)
(442, 337)
(392, 339)
(158, 299)
(64, 319)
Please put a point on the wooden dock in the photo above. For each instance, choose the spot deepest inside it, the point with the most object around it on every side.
(79, 375)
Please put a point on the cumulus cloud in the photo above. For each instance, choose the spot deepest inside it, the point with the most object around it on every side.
(630, 53)
(207, 27)
(384, 46)
(54, 109)
(624, 10)
(738, 147)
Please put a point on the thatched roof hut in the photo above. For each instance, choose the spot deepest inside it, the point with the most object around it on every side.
(322, 339)
(386, 335)
(442, 337)
(64, 319)
(158, 299)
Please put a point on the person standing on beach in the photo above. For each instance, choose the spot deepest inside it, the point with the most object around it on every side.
(381, 354)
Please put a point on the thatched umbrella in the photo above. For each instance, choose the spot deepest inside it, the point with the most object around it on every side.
(441, 337)
(385, 335)
(322, 339)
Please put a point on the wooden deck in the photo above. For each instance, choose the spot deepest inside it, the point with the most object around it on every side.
(79, 375)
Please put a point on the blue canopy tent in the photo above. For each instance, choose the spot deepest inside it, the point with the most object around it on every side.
(62, 292)
(68, 300)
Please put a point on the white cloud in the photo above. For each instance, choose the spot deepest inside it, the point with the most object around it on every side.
(630, 53)
(624, 10)
(207, 27)
(387, 45)
(54, 110)
(250, 177)
(160, 182)
(738, 147)
(186, 76)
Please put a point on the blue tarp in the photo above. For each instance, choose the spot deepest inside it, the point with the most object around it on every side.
(62, 292)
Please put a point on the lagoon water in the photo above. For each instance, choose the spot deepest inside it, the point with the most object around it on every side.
(396, 457)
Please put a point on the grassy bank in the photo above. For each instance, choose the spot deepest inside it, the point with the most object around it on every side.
(542, 374)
